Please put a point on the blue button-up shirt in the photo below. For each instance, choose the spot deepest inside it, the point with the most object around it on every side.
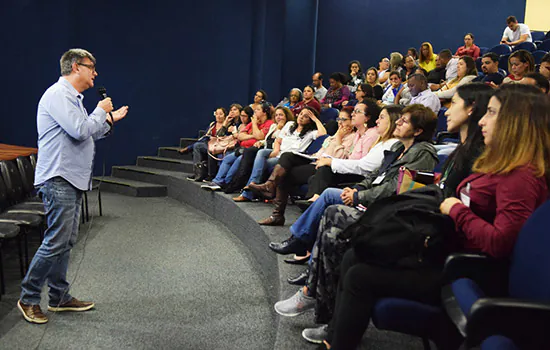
(66, 135)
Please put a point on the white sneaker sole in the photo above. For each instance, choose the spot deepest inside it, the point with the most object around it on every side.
(27, 318)
(73, 309)
(311, 340)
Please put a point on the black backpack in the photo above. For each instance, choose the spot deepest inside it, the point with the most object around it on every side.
(405, 231)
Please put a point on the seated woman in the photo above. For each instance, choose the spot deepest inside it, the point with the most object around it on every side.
(413, 53)
(355, 75)
(259, 96)
(308, 100)
(383, 70)
(469, 105)
(510, 181)
(414, 130)
(364, 91)
(371, 78)
(200, 148)
(256, 130)
(469, 48)
(295, 169)
(337, 92)
(230, 121)
(295, 137)
(294, 97)
(520, 63)
(466, 72)
(427, 57)
(391, 91)
(410, 67)
(331, 172)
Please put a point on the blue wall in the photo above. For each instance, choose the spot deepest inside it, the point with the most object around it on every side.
(174, 62)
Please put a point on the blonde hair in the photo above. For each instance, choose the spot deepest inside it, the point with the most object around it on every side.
(522, 133)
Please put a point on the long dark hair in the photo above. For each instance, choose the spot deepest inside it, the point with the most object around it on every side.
(478, 96)
(373, 111)
(309, 126)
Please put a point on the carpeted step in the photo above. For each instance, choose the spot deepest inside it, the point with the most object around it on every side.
(186, 141)
(145, 174)
(182, 165)
(172, 152)
(130, 187)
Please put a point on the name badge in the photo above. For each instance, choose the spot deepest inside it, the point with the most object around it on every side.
(379, 179)
(465, 195)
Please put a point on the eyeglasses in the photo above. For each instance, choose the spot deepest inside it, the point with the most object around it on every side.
(342, 119)
(89, 66)
(359, 111)
(403, 120)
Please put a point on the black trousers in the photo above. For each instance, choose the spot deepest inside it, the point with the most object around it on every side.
(325, 178)
(362, 284)
(299, 170)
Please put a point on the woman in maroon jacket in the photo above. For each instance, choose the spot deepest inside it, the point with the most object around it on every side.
(510, 182)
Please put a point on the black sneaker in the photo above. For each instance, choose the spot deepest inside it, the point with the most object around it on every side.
(191, 177)
(211, 186)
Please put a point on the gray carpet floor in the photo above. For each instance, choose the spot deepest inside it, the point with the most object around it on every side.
(163, 275)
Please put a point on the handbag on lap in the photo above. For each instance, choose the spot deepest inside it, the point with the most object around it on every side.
(412, 179)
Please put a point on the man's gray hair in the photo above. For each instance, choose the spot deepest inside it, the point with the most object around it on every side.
(73, 56)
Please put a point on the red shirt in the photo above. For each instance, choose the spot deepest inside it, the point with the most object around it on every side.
(473, 51)
(300, 105)
(499, 206)
(248, 129)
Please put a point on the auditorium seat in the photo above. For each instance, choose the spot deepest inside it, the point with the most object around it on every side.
(483, 51)
(521, 311)
(501, 49)
(545, 45)
(503, 62)
(478, 64)
(537, 35)
(538, 55)
(526, 45)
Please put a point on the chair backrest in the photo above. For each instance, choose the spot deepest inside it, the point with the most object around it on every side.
(316, 145)
(32, 157)
(526, 45)
(27, 174)
(4, 200)
(538, 55)
(441, 121)
(545, 45)
(530, 268)
(483, 50)
(502, 72)
(328, 114)
(478, 64)
(12, 179)
(537, 35)
(501, 49)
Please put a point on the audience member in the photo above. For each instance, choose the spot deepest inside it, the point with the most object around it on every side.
(392, 89)
(545, 66)
(294, 97)
(520, 63)
(396, 64)
(466, 72)
(317, 82)
(515, 33)
(436, 76)
(427, 57)
(421, 94)
(413, 53)
(260, 96)
(469, 48)
(510, 182)
(337, 92)
(538, 80)
(355, 75)
(364, 91)
(489, 66)
(410, 67)
(308, 100)
(371, 78)
(383, 69)
(450, 63)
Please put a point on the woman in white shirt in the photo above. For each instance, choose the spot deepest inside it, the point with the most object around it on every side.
(466, 72)
(332, 171)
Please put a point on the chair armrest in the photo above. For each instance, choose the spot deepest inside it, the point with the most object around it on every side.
(490, 274)
(525, 322)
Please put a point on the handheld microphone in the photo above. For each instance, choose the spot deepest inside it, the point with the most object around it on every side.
(103, 93)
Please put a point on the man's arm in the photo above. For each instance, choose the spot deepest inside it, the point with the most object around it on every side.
(521, 39)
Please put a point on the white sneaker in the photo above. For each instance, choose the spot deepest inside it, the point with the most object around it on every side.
(315, 335)
(295, 305)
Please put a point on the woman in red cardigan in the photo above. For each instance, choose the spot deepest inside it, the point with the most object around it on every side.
(510, 182)
(469, 48)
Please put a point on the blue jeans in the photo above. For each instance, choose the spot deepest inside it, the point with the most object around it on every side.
(62, 204)
(262, 162)
(307, 225)
(228, 168)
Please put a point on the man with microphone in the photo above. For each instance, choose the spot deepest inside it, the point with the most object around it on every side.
(66, 134)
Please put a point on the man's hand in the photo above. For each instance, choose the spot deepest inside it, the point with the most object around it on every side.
(347, 196)
(119, 113)
(323, 162)
(106, 105)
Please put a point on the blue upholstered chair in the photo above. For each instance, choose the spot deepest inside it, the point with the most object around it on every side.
(538, 55)
(328, 114)
(545, 45)
(478, 64)
(503, 62)
(521, 311)
(537, 35)
(526, 45)
(483, 51)
(441, 121)
(501, 49)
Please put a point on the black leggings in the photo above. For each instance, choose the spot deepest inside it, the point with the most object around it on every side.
(325, 178)
(362, 284)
